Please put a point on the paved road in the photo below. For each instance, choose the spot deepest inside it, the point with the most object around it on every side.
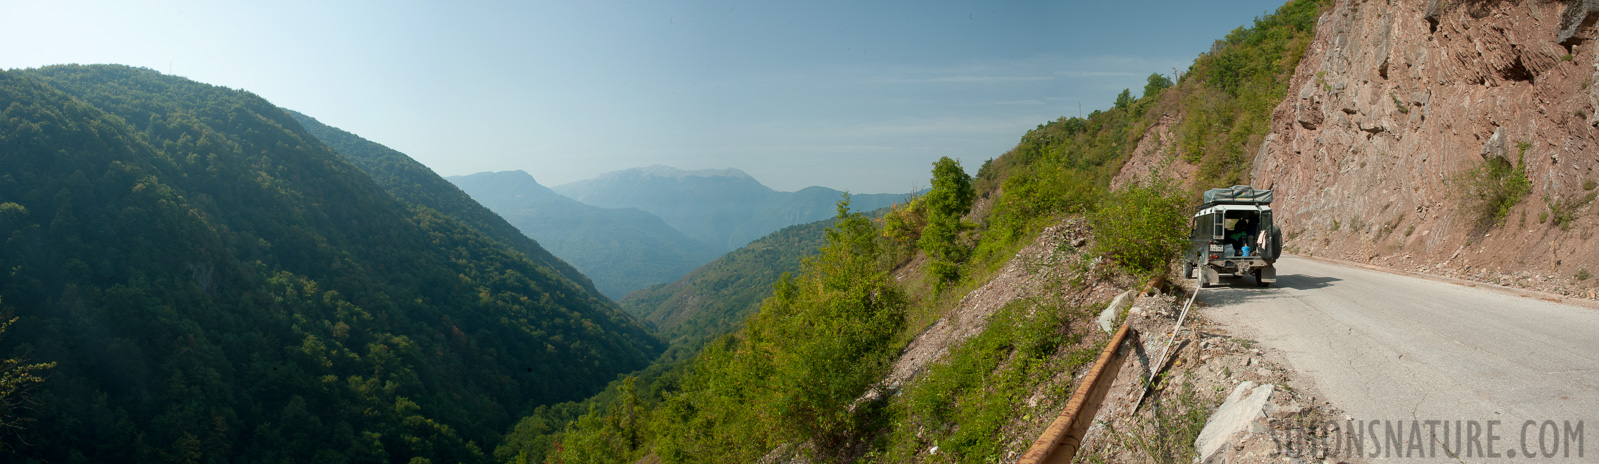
(1398, 349)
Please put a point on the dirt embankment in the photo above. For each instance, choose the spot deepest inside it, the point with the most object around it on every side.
(1395, 100)
(1154, 156)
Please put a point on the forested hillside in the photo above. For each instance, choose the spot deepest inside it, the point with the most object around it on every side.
(417, 185)
(622, 249)
(805, 377)
(714, 299)
(726, 208)
(215, 284)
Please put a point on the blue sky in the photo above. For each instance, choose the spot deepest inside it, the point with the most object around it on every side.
(855, 95)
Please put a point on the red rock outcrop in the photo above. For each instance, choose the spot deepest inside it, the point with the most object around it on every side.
(1394, 100)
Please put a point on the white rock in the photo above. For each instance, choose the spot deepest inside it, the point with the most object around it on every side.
(1242, 407)
(1107, 318)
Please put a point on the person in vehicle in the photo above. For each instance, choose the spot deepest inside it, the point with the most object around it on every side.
(1241, 233)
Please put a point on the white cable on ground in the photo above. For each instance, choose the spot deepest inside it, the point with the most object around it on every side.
(1161, 361)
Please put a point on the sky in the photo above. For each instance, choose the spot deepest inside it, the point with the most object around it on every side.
(852, 95)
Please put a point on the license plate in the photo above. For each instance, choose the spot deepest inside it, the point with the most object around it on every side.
(1216, 248)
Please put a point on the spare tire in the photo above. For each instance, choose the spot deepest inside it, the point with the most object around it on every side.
(1275, 248)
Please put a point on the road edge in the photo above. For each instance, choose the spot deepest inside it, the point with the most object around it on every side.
(1501, 289)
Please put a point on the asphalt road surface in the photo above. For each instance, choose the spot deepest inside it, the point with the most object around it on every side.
(1395, 352)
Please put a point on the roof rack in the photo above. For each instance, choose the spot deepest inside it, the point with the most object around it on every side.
(1237, 195)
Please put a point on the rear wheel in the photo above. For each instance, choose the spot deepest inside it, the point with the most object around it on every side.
(1259, 281)
(1188, 270)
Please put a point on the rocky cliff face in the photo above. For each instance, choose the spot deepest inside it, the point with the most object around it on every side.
(1396, 99)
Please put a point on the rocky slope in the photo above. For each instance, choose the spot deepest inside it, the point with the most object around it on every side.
(1390, 109)
(1395, 100)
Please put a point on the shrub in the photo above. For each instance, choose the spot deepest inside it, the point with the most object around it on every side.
(1141, 227)
(1490, 190)
(903, 225)
(1562, 212)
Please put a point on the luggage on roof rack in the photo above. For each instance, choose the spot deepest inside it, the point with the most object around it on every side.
(1238, 194)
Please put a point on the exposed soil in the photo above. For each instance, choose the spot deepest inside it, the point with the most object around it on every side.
(1155, 155)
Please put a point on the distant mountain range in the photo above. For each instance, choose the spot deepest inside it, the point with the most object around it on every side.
(726, 208)
(622, 249)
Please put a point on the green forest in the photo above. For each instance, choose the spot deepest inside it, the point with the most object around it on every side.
(415, 184)
(215, 284)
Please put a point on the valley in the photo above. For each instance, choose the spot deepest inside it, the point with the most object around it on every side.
(200, 275)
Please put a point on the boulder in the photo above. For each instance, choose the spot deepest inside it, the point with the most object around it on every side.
(1233, 418)
(1496, 147)
(1577, 14)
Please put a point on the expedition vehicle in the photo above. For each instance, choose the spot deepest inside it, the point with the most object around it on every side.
(1233, 234)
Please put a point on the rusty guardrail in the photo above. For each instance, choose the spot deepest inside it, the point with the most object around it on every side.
(1059, 442)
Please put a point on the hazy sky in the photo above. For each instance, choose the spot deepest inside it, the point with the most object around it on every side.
(852, 95)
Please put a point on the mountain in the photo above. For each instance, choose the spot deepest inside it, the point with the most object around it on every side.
(726, 208)
(413, 183)
(714, 299)
(622, 249)
(215, 284)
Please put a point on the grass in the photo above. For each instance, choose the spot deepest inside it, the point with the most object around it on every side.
(1392, 225)
(1563, 212)
(966, 404)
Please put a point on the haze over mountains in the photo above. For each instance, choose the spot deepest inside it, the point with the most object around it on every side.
(622, 249)
(725, 207)
(628, 230)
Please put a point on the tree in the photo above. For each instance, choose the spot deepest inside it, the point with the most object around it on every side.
(1156, 84)
(16, 377)
(1125, 99)
(951, 197)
